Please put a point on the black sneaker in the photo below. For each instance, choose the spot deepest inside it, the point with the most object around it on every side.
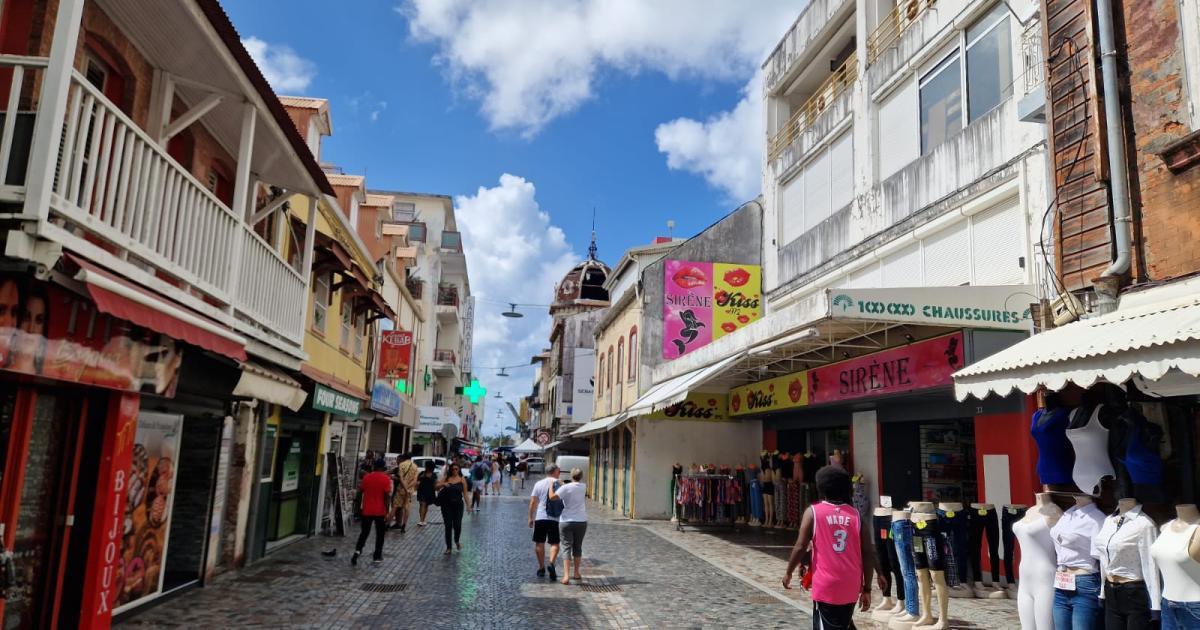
(377, 561)
(354, 559)
(552, 572)
(541, 573)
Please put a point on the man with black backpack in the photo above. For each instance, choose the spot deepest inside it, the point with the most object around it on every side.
(543, 518)
(479, 475)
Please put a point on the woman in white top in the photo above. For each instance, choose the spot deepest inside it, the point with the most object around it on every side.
(572, 523)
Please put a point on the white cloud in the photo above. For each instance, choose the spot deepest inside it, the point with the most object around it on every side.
(366, 102)
(725, 149)
(286, 71)
(529, 62)
(514, 254)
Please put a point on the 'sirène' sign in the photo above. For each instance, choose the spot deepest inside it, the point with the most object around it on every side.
(922, 365)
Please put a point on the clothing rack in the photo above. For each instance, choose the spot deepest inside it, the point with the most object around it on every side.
(708, 499)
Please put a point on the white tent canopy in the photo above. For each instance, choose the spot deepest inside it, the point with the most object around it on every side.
(528, 446)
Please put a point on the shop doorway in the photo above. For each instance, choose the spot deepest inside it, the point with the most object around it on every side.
(929, 461)
(293, 488)
(627, 449)
(816, 445)
(198, 453)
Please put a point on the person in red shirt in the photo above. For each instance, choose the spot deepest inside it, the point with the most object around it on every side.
(376, 489)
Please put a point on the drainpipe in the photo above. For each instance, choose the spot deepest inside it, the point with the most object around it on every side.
(1109, 281)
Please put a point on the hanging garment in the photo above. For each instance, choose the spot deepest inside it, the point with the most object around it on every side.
(756, 501)
(1090, 441)
(1056, 457)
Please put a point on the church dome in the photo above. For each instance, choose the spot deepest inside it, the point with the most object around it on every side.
(583, 282)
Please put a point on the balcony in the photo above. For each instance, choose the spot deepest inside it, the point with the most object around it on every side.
(816, 22)
(903, 32)
(448, 305)
(821, 113)
(444, 362)
(1031, 93)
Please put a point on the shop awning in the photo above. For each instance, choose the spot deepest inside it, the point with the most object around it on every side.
(676, 389)
(552, 445)
(599, 425)
(124, 300)
(270, 385)
(1151, 333)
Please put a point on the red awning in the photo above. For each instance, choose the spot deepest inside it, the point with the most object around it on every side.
(124, 300)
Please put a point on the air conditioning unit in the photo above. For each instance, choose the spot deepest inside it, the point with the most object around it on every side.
(1065, 309)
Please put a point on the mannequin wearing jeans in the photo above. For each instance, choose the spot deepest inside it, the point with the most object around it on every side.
(1177, 554)
(984, 528)
(929, 553)
(1035, 591)
(952, 521)
(1077, 580)
(902, 537)
(1131, 590)
(882, 535)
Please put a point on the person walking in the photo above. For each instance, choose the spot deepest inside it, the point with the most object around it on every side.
(451, 492)
(376, 488)
(840, 560)
(497, 474)
(545, 525)
(572, 523)
(512, 475)
(426, 491)
(522, 470)
(406, 487)
(479, 475)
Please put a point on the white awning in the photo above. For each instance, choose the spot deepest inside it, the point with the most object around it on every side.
(1151, 333)
(599, 425)
(528, 446)
(552, 445)
(270, 385)
(676, 389)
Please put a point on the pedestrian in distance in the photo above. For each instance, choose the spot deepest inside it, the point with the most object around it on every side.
(834, 551)
(406, 487)
(479, 475)
(522, 470)
(451, 494)
(426, 490)
(376, 489)
(497, 478)
(545, 524)
(572, 523)
(512, 475)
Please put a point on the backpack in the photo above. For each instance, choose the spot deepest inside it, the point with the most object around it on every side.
(554, 507)
(477, 472)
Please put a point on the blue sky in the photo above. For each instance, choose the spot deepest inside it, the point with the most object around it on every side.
(643, 113)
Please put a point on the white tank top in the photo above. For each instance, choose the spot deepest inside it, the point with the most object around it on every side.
(1181, 574)
(1091, 453)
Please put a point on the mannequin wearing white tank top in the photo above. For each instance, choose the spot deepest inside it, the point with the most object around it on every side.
(1035, 590)
(1089, 437)
(1177, 553)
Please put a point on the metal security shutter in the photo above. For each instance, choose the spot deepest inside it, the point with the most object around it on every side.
(816, 191)
(865, 278)
(899, 130)
(791, 209)
(903, 269)
(842, 167)
(946, 260)
(997, 244)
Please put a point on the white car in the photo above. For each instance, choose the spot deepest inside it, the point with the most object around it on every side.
(536, 465)
(438, 463)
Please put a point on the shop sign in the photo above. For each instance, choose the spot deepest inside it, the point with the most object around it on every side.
(697, 406)
(704, 301)
(395, 354)
(104, 579)
(921, 365)
(384, 399)
(781, 392)
(50, 332)
(335, 402)
(431, 419)
(996, 307)
(147, 515)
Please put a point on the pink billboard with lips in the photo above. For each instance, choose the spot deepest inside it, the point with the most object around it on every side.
(703, 301)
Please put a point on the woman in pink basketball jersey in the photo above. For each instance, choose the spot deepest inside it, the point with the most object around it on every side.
(835, 549)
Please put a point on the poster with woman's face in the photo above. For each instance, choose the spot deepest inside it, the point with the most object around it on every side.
(150, 497)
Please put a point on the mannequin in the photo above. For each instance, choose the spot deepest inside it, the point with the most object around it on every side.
(1035, 592)
(1077, 580)
(984, 526)
(906, 611)
(931, 567)
(952, 519)
(1009, 516)
(1177, 554)
(1131, 588)
(885, 553)
(1055, 454)
(1089, 436)
(766, 478)
(756, 498)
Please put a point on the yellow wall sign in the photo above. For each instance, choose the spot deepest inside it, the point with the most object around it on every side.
(781, 392)
(737, 297)
(697, 406)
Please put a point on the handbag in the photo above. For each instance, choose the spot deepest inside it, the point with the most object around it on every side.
(554, 507)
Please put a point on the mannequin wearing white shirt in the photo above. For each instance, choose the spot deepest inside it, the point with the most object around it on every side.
(1035, 591)
(1130, 588)
(1177, 554)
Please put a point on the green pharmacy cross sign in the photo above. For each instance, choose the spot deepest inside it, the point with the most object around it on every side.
(475, 391)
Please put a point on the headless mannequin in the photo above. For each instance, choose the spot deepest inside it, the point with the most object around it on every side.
(767, 476)
(1187, 515)
(929, 580)
(901, 620)
(964, 590)
(886, 608)
(986, 590)
(1035, 591)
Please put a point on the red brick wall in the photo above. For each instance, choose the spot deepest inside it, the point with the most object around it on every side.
(1170, 204)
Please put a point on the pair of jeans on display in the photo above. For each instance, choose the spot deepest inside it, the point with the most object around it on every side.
(889, 563)
(1008, 517)
(955, 533)
(1180, 615)
(1079, 609)
(902, 537)
(985, 522)
(1126, 606)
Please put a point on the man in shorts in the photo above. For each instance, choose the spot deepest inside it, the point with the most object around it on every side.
(406, 487)
(545, 527)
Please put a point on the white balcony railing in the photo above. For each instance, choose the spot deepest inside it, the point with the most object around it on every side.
(118, 189)
(812, 24)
